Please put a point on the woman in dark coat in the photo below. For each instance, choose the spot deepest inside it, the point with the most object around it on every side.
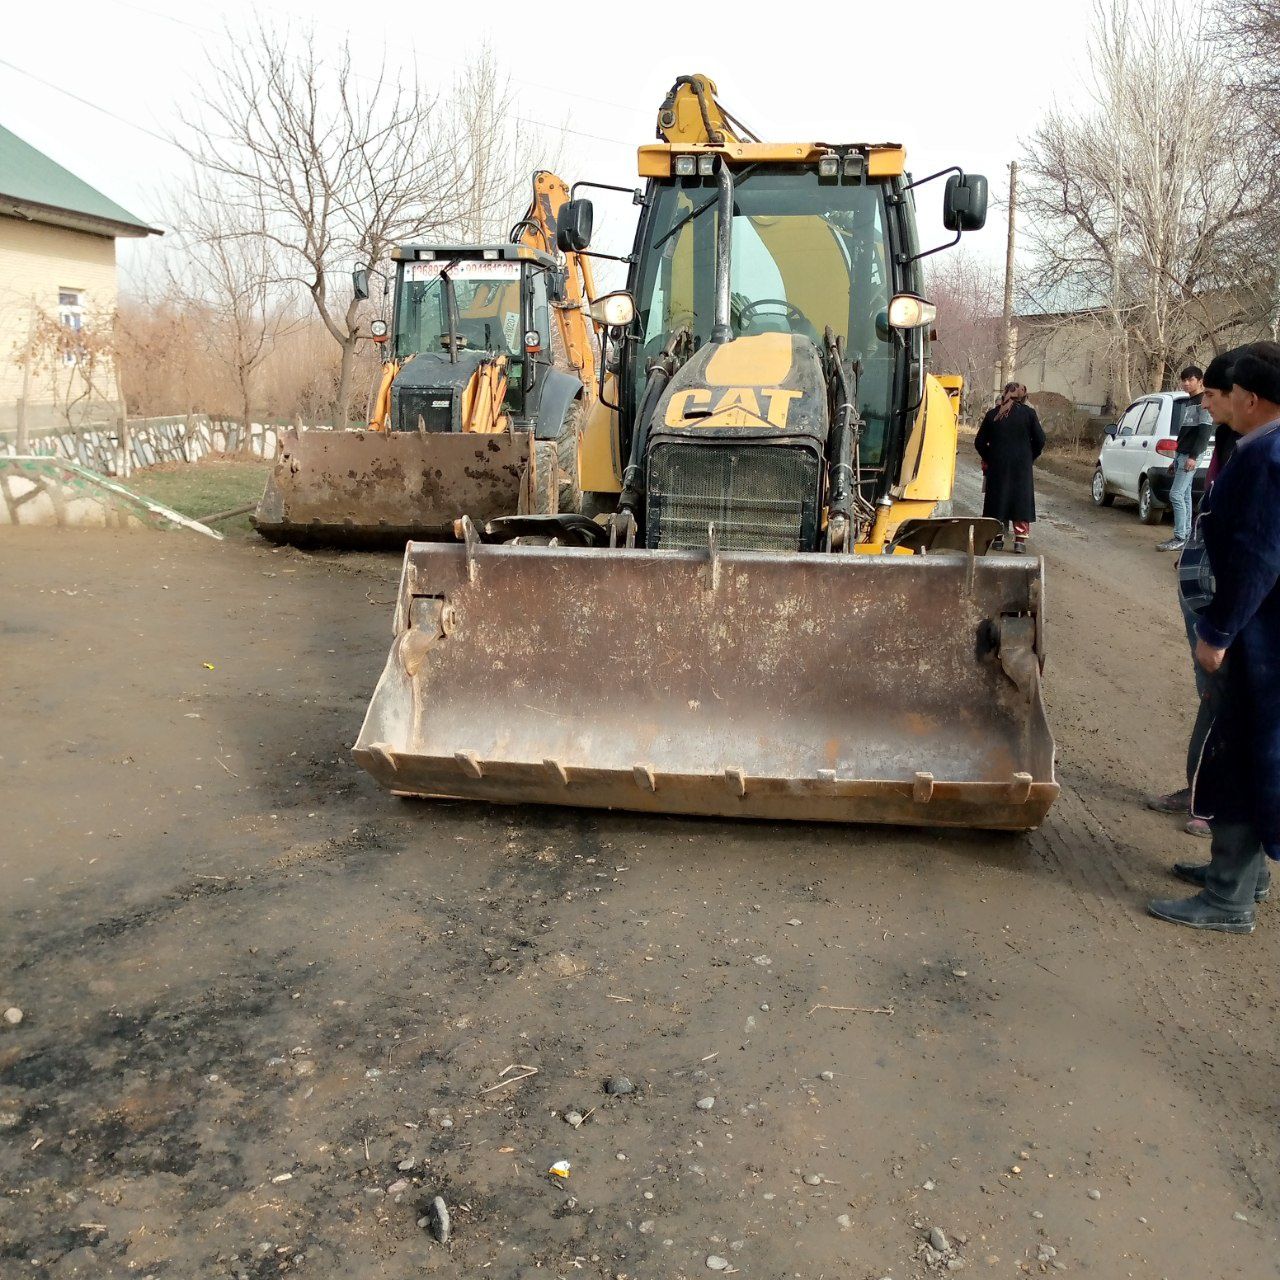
(1008, 442)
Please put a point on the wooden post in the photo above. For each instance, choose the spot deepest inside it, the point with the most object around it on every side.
(126, 461)
(1006, 338)
(22, 442)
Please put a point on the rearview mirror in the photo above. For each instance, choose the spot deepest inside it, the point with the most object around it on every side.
(614, 310)
(360, 283)
(573, 231)
(964, 202)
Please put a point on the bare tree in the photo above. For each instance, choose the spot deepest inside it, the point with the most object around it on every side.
(77, 364)
(227, 269)
(967, 290)
(335, 167)
(496, 152)
(1248, 34)
(1138, 204)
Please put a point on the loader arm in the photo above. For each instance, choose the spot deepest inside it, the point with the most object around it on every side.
(537, 229)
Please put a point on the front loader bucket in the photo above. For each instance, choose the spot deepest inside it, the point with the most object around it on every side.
(843, 688)
(369, 488)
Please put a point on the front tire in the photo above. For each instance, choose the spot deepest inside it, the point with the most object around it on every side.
(569, 493)
(1149, 510)
(1101, 498)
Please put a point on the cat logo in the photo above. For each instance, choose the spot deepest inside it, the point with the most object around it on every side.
(731, 407)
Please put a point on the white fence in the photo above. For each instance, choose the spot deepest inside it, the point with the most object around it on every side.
(150, 441)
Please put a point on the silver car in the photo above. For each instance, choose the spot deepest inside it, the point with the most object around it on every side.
(1143, 442)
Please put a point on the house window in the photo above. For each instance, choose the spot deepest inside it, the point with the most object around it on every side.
(71, 316)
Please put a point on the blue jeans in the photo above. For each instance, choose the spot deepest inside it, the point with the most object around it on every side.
(1180, 496)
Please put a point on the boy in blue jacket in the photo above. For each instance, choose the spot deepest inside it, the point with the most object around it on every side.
(1237, 784)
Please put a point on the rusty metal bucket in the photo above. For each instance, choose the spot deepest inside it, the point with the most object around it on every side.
(896, 689)
(370, 488)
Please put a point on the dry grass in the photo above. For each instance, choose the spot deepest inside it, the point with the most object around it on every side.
(199, 489)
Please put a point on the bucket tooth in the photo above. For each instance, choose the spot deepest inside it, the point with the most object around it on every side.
(384, 753)
(470, 765)
(826, 775)
(922, 788)
(557, 771)
(644, 777)
(737, 781)
(1020, 788)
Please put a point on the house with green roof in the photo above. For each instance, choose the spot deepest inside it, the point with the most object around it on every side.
(57, 291)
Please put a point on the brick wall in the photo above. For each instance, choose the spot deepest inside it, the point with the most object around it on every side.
(37, 262)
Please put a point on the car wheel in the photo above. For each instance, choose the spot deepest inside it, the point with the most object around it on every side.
(1101, 498)
(1149, 510)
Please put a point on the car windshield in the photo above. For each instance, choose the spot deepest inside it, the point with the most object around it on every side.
(487, 297)
(806, 255)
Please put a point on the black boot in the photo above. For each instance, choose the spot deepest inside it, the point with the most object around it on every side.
(1231, 881)
(1194, 873)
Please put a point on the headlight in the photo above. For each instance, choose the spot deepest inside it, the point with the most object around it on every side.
(828, 166)
(909, 311)
(378, 329)
(614, 310)
(706, 166)
(686, 166)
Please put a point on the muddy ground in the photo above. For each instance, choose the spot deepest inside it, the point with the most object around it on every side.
(253, 984)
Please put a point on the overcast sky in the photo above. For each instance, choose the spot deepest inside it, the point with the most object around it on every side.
(958, 84)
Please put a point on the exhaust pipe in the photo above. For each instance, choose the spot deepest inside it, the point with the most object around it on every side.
(722, 329)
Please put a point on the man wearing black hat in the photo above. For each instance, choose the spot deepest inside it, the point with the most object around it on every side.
(1237, 784)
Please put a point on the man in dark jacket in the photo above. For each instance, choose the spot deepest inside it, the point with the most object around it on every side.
(1237, 785)
(1193, 439)
(1216, 398)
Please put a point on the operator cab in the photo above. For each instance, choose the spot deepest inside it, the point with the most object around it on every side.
(459, 304)
(808, 253)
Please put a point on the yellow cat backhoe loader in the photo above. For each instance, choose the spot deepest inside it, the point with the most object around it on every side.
(768, 617)
(489, 376)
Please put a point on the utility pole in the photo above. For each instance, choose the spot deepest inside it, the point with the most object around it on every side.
(1006, 339)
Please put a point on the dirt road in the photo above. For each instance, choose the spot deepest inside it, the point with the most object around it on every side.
(255, 987)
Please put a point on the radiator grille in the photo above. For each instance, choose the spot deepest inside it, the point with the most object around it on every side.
(760, 497)
(434, 406)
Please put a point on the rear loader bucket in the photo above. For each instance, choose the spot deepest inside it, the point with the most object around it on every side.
(844, 688)
(369, 488)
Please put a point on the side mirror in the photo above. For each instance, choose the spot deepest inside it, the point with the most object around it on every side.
(614, 310)
(573, 231)
(1111, 432)
(360, 283)
(964, 202)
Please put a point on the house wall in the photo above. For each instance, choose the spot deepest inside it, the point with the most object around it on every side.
(1072, 359)
(37, 262)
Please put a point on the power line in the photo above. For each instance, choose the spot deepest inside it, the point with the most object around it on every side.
(529, 84)
(57, 88)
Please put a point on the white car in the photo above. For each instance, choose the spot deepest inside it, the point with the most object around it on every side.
(1144, 441)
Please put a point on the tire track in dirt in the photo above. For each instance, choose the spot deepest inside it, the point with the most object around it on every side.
(1075, 842)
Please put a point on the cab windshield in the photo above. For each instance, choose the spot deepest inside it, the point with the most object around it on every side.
(807, 255)
(487, 300)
